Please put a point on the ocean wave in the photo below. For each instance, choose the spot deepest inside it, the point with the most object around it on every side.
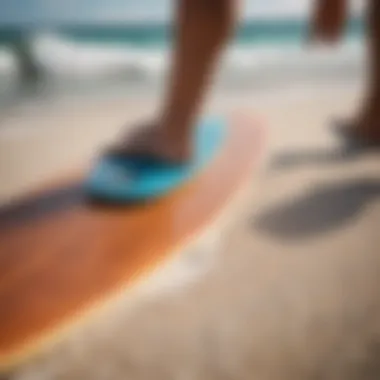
(63, 58)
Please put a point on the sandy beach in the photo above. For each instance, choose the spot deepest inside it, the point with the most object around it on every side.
(294, 291)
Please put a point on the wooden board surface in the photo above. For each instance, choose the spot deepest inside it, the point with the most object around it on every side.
(61, 255)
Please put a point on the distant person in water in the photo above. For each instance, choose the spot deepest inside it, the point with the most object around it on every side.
(29, 70)
(203, 28)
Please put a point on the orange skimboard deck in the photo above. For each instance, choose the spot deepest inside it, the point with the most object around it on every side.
(60, 257)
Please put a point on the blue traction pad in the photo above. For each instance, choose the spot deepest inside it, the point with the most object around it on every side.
(126, 179)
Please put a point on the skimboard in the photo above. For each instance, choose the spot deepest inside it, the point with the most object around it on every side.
(63, 257)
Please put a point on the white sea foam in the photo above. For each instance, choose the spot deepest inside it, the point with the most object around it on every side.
(243, 65)
(62, 57)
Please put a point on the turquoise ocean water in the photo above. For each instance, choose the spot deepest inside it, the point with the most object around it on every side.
(159, 34)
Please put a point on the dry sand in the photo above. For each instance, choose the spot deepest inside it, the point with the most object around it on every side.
(294, 292)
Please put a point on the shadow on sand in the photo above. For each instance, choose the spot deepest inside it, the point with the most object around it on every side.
(322, 210)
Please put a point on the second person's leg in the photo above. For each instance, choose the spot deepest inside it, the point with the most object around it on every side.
(367, 125)
(328, 20)
(328, 25)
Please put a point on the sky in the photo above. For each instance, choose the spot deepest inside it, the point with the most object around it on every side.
(22, 11)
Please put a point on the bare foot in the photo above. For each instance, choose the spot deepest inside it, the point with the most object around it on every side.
(152, 140)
